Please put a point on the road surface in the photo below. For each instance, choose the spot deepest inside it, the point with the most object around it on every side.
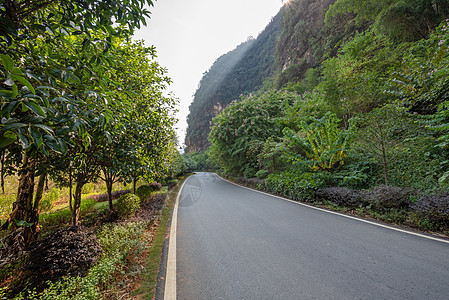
(235, 243)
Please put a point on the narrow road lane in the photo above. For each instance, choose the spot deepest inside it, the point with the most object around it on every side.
(234, 243)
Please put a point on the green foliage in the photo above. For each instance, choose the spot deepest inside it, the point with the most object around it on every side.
(6, 202)
(119, 243)
(63, 216)
(145, 191)
(238, 134)
(381, 134)
(196, 161)
(49, 199)
(401, 20)
(88, 188)
(355, 80)
(123, 238)
(422, 83)
(72, 82)
(262, 174)
(127, 205)
(321, 144)
(271, 158)
(295, 185)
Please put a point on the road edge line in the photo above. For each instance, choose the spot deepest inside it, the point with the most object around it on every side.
(343, 215)
(170, 279)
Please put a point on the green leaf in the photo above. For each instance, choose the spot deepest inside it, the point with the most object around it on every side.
(37, 136)
(23, 81)
(35, 107)
(52, 143)
(12, 106)
(6, 94)
(15, 90)
(24, 140)
(16, 71)
(23, 223)
(13, 126)
(7, 62)
(63, 146)
(7, 139)
(44, 127)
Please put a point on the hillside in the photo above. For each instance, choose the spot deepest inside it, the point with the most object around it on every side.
(295, 41)
(238, 72)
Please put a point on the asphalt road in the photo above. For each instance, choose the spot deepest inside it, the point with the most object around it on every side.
(234, 243)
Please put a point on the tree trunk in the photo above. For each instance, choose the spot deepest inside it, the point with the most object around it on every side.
(384, 156)
(39, 191)
(3, 155)
(23, 209)
(70, 189)
(77, 202)
(109, 181)
(109, 188)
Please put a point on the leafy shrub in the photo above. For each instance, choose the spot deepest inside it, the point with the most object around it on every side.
(321, 144)
(88, 188)
(67, 251)
(386, 196)
(300, 187)
(49, 199)
(262, 174)
(339, 195)
(104, 197)
(123, 237)
(144, 191)
(156, 186)
(127, 205)
(434, 207)
(119, 243)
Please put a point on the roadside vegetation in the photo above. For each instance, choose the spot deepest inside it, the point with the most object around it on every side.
(364, 132)
(87, 148)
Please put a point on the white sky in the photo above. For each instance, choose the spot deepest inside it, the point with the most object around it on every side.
(190, 35)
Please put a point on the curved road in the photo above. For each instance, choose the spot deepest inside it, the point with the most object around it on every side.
(235, 243)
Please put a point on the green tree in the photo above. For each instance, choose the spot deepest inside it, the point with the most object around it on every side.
(55, 82)
(240, 131)
(381, 134)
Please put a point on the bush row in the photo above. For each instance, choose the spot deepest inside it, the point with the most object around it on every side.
(297, 186)
(312, 187)
(104, 197)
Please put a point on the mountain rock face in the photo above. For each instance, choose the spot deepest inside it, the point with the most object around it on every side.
(295, 41)
(238, 72)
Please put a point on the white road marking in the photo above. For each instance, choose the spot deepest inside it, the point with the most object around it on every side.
(170, 278)
(343, 215)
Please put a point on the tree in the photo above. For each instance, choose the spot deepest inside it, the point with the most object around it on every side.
(381, 134)
(239, 133)
(48, 49)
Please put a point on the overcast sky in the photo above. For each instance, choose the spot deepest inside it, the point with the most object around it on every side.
(190, 35)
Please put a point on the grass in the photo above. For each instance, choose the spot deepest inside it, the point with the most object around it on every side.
(62, 216)
(149, 277)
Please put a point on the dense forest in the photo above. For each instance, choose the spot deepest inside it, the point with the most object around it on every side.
(354, 113)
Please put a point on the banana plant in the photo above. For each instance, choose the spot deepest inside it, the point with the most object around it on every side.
(320, 143)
